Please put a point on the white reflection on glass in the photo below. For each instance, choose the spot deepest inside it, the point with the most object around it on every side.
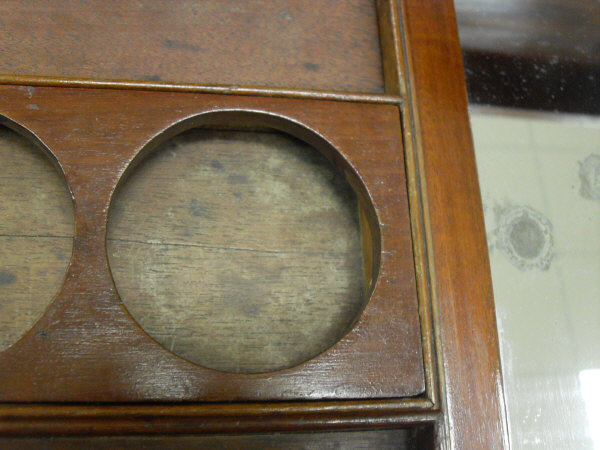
(540, 178)
(590, 390)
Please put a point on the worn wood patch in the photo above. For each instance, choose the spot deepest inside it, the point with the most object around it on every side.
(239, 251)
(36, 234)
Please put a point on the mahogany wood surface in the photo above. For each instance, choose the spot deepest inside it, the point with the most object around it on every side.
(236, 250)
(308, 44)
(95, 136)
(471, 379)
(375, 376)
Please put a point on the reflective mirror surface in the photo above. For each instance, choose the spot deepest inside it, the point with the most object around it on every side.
(540, 180)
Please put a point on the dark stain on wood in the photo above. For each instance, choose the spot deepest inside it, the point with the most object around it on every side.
(198, 209)
(182, 45)
(249, 43)
(311, 66)
(216, 165)
(6, 277)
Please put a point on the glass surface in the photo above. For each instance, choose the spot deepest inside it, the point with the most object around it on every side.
(540, 181)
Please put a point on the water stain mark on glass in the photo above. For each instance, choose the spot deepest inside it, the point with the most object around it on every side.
(589, 176)
(524, 236)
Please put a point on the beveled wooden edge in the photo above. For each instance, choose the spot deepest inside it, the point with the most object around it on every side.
(466, 340)
(121, 419)
(35, 140)
(393, 49)
(35, 80)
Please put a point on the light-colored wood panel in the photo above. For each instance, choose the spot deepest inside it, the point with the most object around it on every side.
(238, 250)
(36, 234)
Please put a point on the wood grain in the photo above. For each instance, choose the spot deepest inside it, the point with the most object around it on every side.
(97, 137)
(36, 234)
(21, 420)
(255, 42)
(471, 379)
(239, 251)
(87, 348)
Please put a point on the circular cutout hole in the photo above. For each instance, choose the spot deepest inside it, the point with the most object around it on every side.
(36, 234)
(238, 250)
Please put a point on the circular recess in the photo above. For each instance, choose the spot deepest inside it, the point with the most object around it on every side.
(36, 234)
(238, 250)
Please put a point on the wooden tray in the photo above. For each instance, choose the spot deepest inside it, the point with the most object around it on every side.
(380, 92)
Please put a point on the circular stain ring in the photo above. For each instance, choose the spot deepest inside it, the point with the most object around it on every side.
(525, 236)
